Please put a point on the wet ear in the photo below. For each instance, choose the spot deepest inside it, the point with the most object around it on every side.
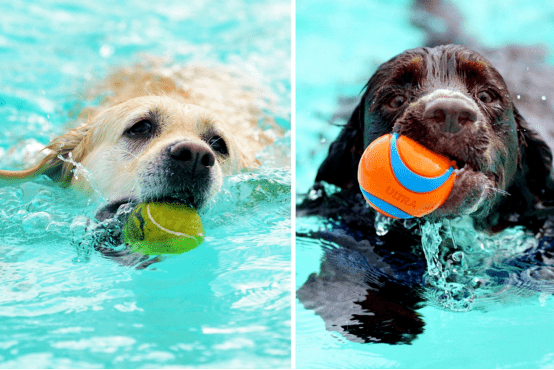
(535, 161)
(341, 165)
(19, 176)
(72, 144)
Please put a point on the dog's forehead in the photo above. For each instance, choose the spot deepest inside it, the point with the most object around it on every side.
(441, 66)
(187, 117)
(169, 113)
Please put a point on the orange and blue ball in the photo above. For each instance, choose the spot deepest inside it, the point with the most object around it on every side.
(401, 178)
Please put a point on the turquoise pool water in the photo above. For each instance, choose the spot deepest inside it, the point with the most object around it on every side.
(338, 47)
(224, 304)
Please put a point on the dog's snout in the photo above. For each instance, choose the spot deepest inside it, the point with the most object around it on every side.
(191, 153)
(451, 113)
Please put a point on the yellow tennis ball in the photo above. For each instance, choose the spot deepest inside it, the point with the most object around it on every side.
(163, 228)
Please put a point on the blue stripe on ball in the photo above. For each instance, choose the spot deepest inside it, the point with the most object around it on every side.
(384, 206)
(410, 180)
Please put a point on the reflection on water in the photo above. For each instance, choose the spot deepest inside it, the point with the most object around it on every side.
(370, 286)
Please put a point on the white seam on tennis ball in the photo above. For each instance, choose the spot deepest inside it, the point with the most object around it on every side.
(167, 230)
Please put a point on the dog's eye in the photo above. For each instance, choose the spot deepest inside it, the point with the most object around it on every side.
(141, 128)
(485, 97)
(397, 101)
(218, 144)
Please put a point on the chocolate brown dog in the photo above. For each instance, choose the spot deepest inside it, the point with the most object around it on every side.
(453, 101)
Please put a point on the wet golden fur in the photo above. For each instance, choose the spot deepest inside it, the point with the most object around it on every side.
(188, 102)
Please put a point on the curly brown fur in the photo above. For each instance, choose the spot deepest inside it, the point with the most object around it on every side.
(453, 101)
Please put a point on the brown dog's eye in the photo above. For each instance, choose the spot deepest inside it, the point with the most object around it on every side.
(218, 144)
(397, 101)
(141, 128)
(485, 97)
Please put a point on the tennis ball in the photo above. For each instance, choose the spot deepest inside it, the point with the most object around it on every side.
(163, 228)
(400, 178)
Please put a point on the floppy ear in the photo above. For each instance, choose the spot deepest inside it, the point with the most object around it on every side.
(535, 162)
(18, 176)
(341, 165)
(71, 144)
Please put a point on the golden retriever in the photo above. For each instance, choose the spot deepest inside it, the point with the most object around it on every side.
(161, 134)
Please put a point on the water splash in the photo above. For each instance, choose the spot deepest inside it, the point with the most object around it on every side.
(78, 229)
(469, 269)
(87, 233)
(80, 170)
(449, 288)
(430, 240)
(382, 224)
(449, 280)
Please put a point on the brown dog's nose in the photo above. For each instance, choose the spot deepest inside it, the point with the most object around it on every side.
(452, 113)
(191, 153)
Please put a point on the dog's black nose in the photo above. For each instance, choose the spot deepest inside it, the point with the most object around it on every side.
(451, 113)
(192, 154)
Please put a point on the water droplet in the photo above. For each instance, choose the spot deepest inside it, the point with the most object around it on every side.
(36, 223)
(57, 228)
(106, 51)
(382, 224)
(458, 256)
(543, 97)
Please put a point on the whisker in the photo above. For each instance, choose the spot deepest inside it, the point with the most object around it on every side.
(498, 191)
(128, 152)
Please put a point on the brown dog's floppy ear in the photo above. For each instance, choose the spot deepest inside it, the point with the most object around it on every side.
(341, 165)
(71, 146)
(535, 162)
